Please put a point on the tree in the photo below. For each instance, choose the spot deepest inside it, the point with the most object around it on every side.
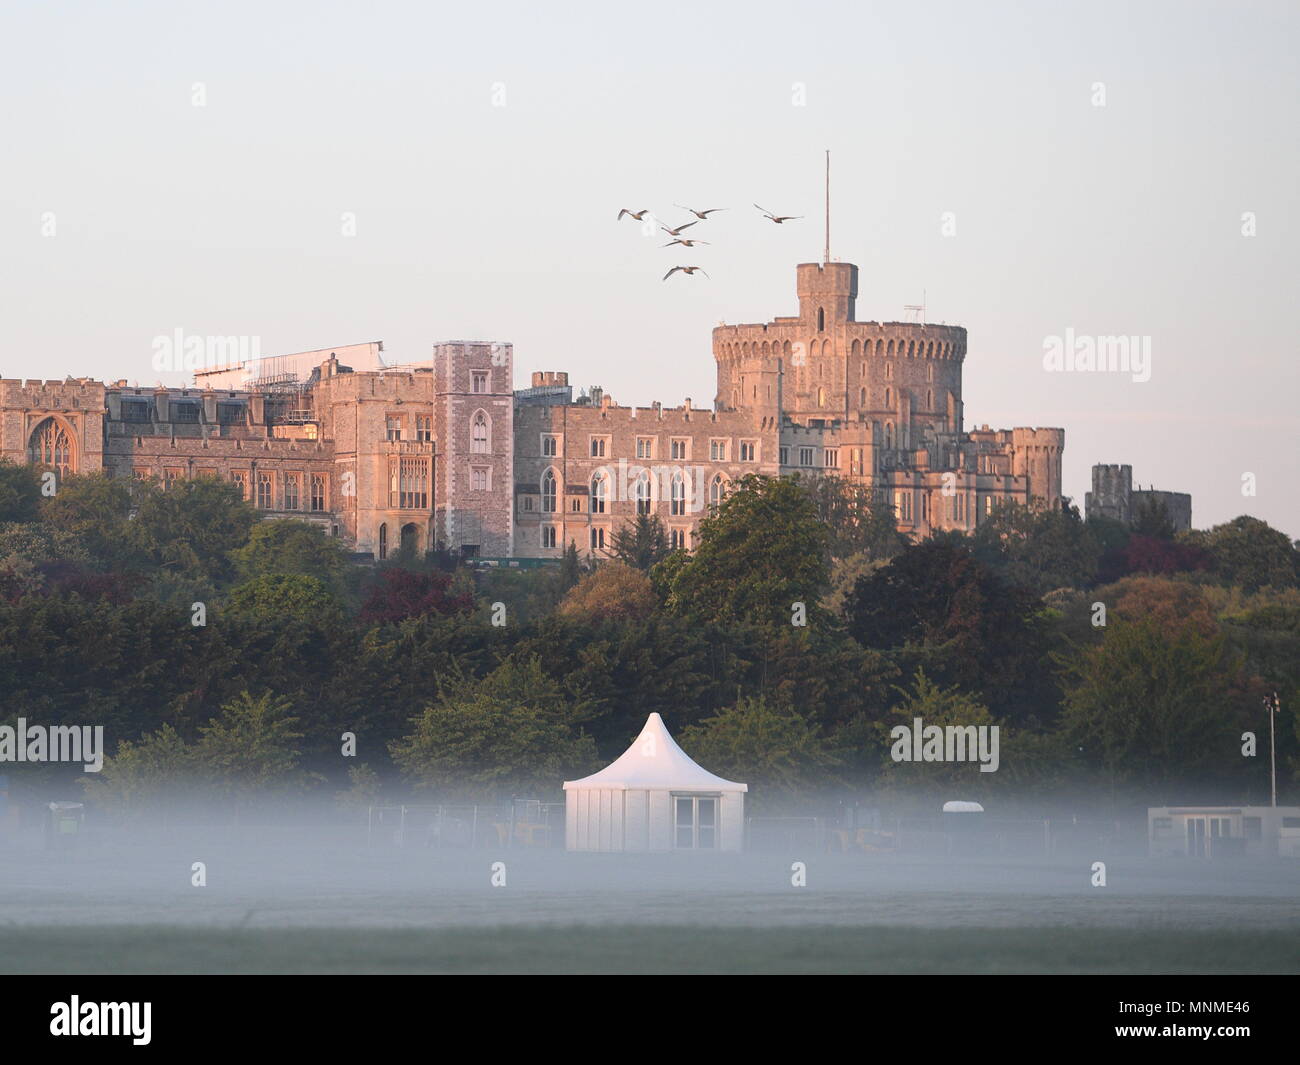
(762, 552)
(1249, 552)
(191, 527)
(288, 546)
(641, 543)
(399, 593)
(251, 748)
(942, 707)
(274, 596)
(780, 754)
(20, 492)
(614, 591)
(94, 508)
(511, 733)
(939, 607)
(1152, 707)
(859, 520)
(146, 773)
(1042, 548)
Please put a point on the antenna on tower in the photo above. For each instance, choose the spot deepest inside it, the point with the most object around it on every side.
(826, 254)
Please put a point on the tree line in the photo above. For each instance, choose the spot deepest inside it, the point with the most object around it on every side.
(240, 654)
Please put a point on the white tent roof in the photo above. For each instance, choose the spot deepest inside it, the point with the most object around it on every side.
(654, 761)
(960, 806)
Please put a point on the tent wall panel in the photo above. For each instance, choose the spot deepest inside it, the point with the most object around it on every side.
(732, 828)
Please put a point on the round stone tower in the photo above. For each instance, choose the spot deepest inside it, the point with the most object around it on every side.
(825, 365)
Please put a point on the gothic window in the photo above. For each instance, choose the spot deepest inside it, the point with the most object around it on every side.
(599, 493)
(52, 446)
(677, 501)
(383, 542)
(264, 494)
(642, 493)
(821, 320)
(548, 492)
(478, 441)
(715, 491)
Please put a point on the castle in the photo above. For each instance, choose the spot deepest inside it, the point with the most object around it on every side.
(445, 452)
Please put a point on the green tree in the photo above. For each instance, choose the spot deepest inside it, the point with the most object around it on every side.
(289, 547)
(761, 552)
(145, 774)
(512, 733)
(95, 509)
(20, 492)
(859, 520)
(942, 707)
(1041, 548)
(641, 543)
(191, 527)
(1155, 708)
(273, 596)
(1249, 552)
(778, 753)
(251, 748)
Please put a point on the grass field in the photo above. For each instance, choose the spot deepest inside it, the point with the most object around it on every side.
(310, 902)
(641, 949)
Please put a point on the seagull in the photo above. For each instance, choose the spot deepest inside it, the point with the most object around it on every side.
(779, 218)
(683, 242)
(638, 215)
(683, 269)
(700, 214)
(678, 231)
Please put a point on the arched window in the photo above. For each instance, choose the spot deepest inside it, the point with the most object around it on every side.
(862, 398)
(889, 434)
(642, 493)
(599, 494)
(717, 489)
(548, 492)
(889, 397)
(51, 446)
(821, 397)
(478, 439)
(677, 496)
(821, 320)
(383, 542)
(929, 400)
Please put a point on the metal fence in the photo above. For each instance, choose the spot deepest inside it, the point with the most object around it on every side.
(520, 823)
(935, 835)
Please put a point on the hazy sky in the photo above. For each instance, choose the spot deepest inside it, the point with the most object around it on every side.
(475, 220)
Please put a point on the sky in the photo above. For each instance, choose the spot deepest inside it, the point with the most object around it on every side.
(320, 174)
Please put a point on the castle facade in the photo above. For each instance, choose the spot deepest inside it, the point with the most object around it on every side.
(445, 452)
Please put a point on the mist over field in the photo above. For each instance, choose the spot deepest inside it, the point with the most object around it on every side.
(324, 894)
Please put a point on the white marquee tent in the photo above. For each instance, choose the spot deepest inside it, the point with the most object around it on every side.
(654, 798)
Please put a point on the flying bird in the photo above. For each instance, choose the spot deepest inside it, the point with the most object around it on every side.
(683, 269)
(683, 242)
(638, 215)
(700, 214)
(779, 218)
(678, 231)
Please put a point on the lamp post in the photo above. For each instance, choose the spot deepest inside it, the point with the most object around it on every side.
(1272, 706)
